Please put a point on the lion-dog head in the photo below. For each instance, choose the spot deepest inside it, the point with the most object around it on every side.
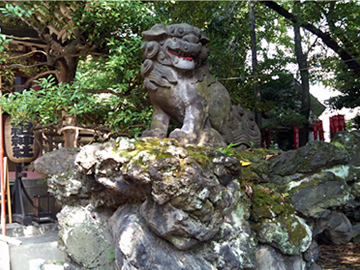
(179, 46)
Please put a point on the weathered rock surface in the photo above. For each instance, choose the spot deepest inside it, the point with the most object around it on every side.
(85, 237)
(311, 158)
(350, 141)
(154, 204)
(137, 247)
(290, 234)
(269, 258)
(313, 253)
(56, 162)
(315, 194)
(162, 190)
(316, 177)
(335, 227)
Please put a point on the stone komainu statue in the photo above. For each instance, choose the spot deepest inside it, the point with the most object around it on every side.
(181, 87)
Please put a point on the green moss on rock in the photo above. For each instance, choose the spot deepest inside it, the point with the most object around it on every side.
(268, 204)
(289, 233)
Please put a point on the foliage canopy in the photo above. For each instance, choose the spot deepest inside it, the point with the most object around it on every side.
(92, 49)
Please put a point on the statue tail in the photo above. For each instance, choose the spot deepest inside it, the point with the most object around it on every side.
(244, 130)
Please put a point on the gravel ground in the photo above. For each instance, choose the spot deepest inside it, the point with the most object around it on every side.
(340, 257)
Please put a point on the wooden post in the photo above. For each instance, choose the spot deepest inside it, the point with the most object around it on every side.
(36, 207)
(3, 208)
(7, 185)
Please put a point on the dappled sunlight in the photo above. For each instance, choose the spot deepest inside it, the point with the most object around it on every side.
(334, 257)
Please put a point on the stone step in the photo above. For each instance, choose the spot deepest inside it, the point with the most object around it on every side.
(39, 244)
(17, 230)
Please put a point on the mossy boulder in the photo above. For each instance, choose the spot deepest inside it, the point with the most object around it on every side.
(316, 194)
(289, 233)
(268, 203)
(312, 158)
(169, 206)
(350, 141)
(276, 224)
(186, 196)
(315, 177)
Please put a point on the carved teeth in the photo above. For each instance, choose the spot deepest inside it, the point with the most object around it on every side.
(181, 54)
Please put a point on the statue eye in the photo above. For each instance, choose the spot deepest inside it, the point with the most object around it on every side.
(181, 31)
(174, 39)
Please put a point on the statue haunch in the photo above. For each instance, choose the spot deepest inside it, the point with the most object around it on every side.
(181, 87)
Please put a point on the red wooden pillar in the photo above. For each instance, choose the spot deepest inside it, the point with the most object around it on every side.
(331, 122)
(337, 123)
(321, 131)
(315, 129)
(318, 130)
(342, 122)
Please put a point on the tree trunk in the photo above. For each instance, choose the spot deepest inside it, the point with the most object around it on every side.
(68, 67)
(70, 134)
(343, 52)
(305, 87)
(257, 94)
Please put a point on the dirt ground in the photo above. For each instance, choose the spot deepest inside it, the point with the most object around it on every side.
(340, 257)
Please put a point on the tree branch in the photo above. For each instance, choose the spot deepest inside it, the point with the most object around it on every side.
(61, 56)
(311, 46)
(29, 24)
(347, 43)
(22, 38)
(38, 127)
(27, 54)
(106, 91)
(13, 66)
(139, 125)
(40, 25)
(320, 6)
(27, 84)
(326, 38)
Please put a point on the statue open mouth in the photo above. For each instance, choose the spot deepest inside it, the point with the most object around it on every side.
(181, 54)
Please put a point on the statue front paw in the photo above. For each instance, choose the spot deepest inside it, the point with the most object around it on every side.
(182, 137)
(153, 133)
